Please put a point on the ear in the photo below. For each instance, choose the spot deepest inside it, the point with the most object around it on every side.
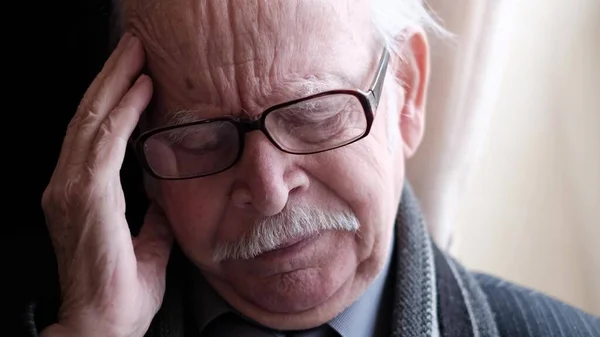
(411, 67)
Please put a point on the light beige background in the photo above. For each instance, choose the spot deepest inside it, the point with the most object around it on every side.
(531, 209)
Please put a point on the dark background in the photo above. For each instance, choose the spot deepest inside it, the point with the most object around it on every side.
(51, 53)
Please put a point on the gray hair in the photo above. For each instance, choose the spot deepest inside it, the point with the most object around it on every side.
(391, 17)
(294, 222)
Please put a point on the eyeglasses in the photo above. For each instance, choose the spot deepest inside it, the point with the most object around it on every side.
(309, 125)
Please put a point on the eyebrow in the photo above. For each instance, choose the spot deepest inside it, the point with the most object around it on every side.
(182, 116)
(300, 87)
(178, 135)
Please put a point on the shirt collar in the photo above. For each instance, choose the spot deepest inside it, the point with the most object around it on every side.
(361, 318)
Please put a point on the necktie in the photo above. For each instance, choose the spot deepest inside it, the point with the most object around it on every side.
(231, 325)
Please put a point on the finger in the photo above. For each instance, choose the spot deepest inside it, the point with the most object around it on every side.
(110, 92)
(110, 144)
(153, 245)
(90, 92)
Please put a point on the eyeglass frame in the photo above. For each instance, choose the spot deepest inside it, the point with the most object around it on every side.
(369, 101)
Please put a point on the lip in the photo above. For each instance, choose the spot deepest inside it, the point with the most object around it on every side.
(290, 248)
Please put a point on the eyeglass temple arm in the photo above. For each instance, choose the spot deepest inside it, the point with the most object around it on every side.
(377, 85)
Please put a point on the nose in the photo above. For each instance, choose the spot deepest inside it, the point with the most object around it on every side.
(265, 177)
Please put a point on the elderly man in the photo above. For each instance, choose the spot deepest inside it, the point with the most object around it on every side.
(273, 134)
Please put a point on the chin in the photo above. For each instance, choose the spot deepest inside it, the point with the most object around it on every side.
(297, 287)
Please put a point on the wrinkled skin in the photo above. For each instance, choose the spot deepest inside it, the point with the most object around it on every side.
(216, 59)
(111, 285)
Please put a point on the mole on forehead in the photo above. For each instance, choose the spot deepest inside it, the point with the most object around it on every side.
(292, 89)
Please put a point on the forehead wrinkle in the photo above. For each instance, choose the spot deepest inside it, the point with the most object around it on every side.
(177, 43)
(289, 39)
(162, 34)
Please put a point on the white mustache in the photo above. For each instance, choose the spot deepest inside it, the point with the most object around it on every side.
(271, 233)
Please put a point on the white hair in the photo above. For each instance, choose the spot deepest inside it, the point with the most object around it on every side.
(294, 222)
(392, 17)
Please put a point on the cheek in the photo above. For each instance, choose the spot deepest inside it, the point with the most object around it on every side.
(195, 209)
(361, 176)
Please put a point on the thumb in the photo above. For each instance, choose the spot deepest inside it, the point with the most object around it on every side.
(153, 244)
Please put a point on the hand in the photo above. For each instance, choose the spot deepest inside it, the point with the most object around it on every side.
(111, 284)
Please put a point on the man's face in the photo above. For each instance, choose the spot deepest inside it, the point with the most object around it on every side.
(222, 58)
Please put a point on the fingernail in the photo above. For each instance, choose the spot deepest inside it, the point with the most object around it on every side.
(141, 79)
